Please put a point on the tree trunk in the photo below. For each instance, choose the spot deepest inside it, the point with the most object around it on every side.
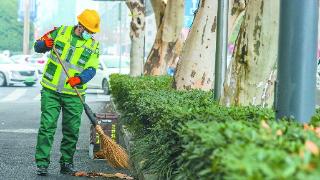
(176, 51)
(250, 77)
(137, 30)
(237, 7)
(158, 7)
(169, 19)
(235, 19)
(196, 66)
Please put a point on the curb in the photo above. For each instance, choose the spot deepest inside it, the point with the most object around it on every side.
(125, 139)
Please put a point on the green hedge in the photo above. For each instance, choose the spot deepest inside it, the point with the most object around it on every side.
(186, 135)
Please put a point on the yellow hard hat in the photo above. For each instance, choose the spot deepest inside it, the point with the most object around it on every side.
(90, 19)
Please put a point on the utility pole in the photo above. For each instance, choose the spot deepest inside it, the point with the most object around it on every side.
(296, 78)
(26, 27)
(221, 50)
(120, 37)
(144, 38)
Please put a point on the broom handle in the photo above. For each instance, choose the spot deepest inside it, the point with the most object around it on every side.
(65, 70)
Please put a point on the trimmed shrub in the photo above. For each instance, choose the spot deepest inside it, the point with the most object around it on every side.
(186, 135)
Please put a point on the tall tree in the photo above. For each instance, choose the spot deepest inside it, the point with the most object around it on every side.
(11, 31)
(196, 66)
(166, 48)
(137, 32)
(236, 10)
(250, 77)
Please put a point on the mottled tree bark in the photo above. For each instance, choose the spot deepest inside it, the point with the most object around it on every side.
(158, 7)
(137, 31)
(169, 18)
(250, 77)
(236, 10)
(196, 66)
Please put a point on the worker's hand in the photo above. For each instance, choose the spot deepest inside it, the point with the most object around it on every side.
(73, 81)
(48, 42)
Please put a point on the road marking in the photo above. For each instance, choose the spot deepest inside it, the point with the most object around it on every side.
(95, 95)
(16, 94)
(26, 131)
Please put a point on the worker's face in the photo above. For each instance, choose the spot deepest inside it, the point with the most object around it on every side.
(84, 32)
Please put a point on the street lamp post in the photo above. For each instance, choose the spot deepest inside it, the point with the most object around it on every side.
(296, 79)
(120, 36)
(221, 47)
(26, 27)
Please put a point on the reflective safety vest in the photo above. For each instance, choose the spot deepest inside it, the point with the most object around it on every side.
(74, 58)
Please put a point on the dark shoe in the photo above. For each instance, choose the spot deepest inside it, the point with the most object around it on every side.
(67, 168)
(42, 170)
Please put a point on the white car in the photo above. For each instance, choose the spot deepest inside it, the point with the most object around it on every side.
(38, 60)
(100, 80)
(113, 66)
(11, 73)
(109, 64)
(20, 59)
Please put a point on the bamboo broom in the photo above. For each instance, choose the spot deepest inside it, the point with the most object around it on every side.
(112, 152)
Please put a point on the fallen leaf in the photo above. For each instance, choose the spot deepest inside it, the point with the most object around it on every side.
(311, 166)
(123, 176)
(265, 125)
(317, 130)
(279, 132)
(312, 147)
(97, 174)
(307, 127)
(80, 174)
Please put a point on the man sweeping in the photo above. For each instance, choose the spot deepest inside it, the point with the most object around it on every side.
(79, 53)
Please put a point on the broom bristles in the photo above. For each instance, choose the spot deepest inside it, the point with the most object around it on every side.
(112, 152)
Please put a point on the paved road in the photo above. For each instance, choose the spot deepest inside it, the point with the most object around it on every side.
(19, 121)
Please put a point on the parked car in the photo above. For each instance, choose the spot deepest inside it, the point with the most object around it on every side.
(38, 61)
(100, 80)
(112, 63)
(20, 59)
(109, 64)
(12, 73)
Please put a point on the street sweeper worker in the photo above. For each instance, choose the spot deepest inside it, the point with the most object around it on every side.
(80, 55)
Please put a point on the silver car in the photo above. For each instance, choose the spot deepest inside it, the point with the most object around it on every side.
(109, 64)
(11, 73)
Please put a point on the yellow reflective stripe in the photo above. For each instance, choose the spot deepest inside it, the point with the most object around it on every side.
(63, 90)
(66, 64)
(48, 84)
(44, 84)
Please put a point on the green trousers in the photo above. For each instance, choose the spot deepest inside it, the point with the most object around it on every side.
(51, 105)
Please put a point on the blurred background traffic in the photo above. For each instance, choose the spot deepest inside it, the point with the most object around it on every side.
(20, 65)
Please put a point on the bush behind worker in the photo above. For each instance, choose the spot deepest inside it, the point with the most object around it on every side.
(79, 53)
